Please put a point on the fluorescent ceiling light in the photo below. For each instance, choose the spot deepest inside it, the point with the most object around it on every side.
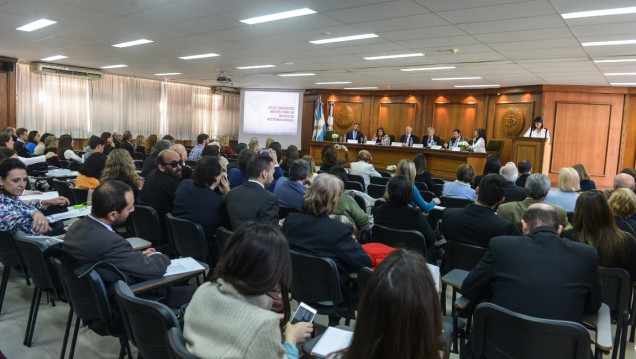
(614, 60)
(278, 16)
(617, 11)
(333, 83)
(113, 66)
(254, 67)
(428, 68)
(606, 43)
(620, 74)
(201, 56)
(393, 56)
(362, 88)
(35, 25)
(297, 74)
(456, 78)
(468, 86)
(169, 74)
(344, 38)
(53, 58)
(133, 43)
(623, 83)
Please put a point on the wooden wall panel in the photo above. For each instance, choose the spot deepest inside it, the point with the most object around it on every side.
(8, 95)
(628, 135)
(307, 126)
(394, 117)
(449, 116)
(500, 109)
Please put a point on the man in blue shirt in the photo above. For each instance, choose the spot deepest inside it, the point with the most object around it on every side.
(202, 141)
(291, 190)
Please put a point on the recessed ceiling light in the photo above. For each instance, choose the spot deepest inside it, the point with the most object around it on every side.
(169, 74)
(623, 83)
(604, 12)
(201, 56)
(53, 58)
(333, 83)
(288, 63)
(297, 74)
(344, 38)
(455, 78)
(278, 16)
(606, 43)
(113, 66)
(393, 56)
(620, 74)
(35, 25)
(614, 60)
(428, 68)
(254, 67)
(362, 88)
(469, 86)
(133, 43)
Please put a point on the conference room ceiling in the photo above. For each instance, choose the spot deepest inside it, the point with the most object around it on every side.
(504, 42)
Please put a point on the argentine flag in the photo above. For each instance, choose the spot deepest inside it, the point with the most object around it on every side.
(319, 122)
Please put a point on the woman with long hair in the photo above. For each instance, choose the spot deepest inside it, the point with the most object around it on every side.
(381, 138)
(151, 142)
(121, 167)
(225, 148)
(330, 156)
(480, 141)
(33, 138)
(290, 156)
(312, 166)
(406, 168)
(140, 144)
(230, 316)
(492, 166)
(65, 149)
(421, 172)
(399, 312)
(537, 130)
(586, 183)
(593, 223)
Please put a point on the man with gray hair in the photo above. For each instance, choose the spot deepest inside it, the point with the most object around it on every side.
(431, 139)
(117, 137)
(11, 132)
(186, 171)
(537, 188)
(127, 143)
(624, 180)
(514, 193)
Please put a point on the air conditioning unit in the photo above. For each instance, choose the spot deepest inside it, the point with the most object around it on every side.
(69, 71)
(224, 90)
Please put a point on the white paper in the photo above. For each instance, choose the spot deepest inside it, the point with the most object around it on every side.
(332, 340)
(72, 213)
(435, 273)
(370, 142)
(396, 144)
(436, 147)
(183, 265)
(457, 149)
(62, 172)
(40, 197)
(418, 145)
(352, 141)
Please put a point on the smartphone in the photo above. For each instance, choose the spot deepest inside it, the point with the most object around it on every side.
(338, 147)
(304, 313)
(264, 152)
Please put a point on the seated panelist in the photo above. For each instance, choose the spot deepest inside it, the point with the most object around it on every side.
(431, 139)
(454, 141)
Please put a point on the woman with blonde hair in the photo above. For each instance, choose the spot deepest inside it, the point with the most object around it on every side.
(406, 168)
(312, 166)
(120, 167)
(363, 168)
(623, 204)
(224, 146)
(586, 183)
(151, 143)
(140, 144)
(565, 196)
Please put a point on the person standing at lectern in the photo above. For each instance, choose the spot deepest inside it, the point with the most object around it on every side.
(354, 134)
(537, 130)
(408, 138)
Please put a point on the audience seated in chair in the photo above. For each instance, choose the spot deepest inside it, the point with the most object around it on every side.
(363, 168)
(461, 187)
(566, 195)
(120, 167)
(291, 190)
(514, 193)
(150, 161)
(492, 165)
(347, 206)
(406, 168)
(161, 184)
(623, 204)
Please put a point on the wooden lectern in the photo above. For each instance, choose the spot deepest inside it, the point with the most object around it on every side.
(536, 150)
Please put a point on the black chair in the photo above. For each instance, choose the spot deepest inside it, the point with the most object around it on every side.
(450, 202)
(363, 277)
(438, 189)
(385, 174)
(438, 181)
(89, 302)
(402, 238)
(64, 189)
(379, 180)
(146, 322)
(43, 275)
(10, 259)
(145, 224)
(75, 166)
(315, 282)
(421, 186)
(188, 238)
(427, 195)
(80, 195)
(139, 164)
(616, 289)
(376, 190)
(222, 234)
(283, 211)
(176, 345)
(356, 178)
(461, 257)
(499, 333)
(570, 215)
(64, 164)
(360, 201)
(139, 156)
(357, 186)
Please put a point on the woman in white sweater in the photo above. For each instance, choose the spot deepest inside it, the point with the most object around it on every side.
(65, 149)
(231, 316)
(479, 142)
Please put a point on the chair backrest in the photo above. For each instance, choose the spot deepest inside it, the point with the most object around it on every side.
(570, 215)
(187, 237)
(222, 234)
(8, 251)
(363, 278)
(459, 255)
(376, 190)
(283, 211)
(79, 194)
(354, 185)
(379, 180)
(356, 178)
(438, 180)
(385, 174)
(399, 238)
(146, 224)
(41, 269)
(176, 345)
(616, 288)
(494, 147)
(360, 201)
(427, 195)
(421, 186)
(146, 322)
(314, 279)
(438, 189)
(64, 189)
(139, 156)
(499, 333)
(455, 202)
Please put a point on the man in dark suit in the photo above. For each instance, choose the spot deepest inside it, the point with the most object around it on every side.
(408, 138)
(431, 140)
(162, 182)
(354, 134)
(539, 274)
(150, 163)
(20, 143)
(477, 223)
(127, 143)
(514, 193)
(251, 201)
(525, 168)
(457, 138)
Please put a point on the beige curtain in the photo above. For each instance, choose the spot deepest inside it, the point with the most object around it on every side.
(82, 108)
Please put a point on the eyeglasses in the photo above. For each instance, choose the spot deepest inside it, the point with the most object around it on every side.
(172, 164)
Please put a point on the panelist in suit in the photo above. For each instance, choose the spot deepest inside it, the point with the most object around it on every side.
(408, 138)
(538, 274)
(381, 138)
(457, 137)
(431, 139)
(251, 201)
(354, 134)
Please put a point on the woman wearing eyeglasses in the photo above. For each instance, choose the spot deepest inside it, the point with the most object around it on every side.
(120, 167)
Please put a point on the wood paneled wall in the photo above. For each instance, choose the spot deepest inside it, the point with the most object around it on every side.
(7, 95)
